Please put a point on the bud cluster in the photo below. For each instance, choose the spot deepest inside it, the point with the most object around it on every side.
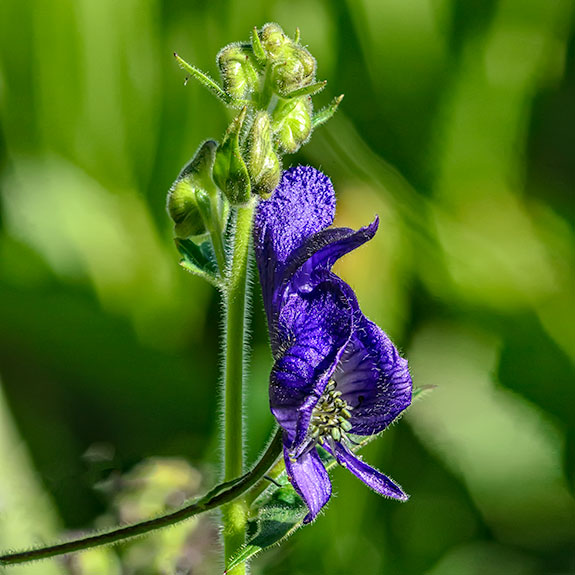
(270, 80)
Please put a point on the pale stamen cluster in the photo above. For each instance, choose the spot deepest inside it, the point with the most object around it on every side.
(330, 417)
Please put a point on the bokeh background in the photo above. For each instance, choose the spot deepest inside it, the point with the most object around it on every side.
(457, 128)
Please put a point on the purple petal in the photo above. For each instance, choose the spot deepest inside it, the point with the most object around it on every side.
(373, 378)
(302, 205)
(313, 330)
(310, 479)
(370, 476)
(322, 250)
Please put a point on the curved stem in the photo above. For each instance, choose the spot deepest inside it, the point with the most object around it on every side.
(273, 473)
(235, 514)
(218, 496)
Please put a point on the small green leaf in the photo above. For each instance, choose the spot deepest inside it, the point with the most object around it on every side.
(421, 392)
(326, 113)
(282, 513)
(205, 80)
(309, 90)
(257, 47)
(199, 260)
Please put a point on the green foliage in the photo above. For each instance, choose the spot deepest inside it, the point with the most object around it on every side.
(199, 259)
(279, 514)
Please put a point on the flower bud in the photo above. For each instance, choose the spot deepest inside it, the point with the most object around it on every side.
(230, 171)
(236, 63)
(189, 203)
(273, 40)
(292, 123)
(199, 168)
(294, 70)
(186, 205)
(263, 162)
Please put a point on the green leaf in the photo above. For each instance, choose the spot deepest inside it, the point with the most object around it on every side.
(280, 513)
(309, 90)
(257, 47)
(280, 510)
(199, 260)
(205, 80)
(326, 113)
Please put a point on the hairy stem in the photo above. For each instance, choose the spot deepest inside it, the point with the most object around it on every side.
(235, 514)
(219, 249)
(218, 496)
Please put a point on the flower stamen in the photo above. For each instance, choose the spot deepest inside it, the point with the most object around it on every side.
(330, 417)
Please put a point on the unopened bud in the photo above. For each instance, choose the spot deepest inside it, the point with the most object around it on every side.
(263, 162)
(230, 171)
(189, 203)
(186, 205)
(291, 123)
(239, 74)
(294, 70)
(273, 40)
(199, 168)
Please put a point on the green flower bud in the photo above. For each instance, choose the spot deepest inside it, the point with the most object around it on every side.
(230, 171)
(263, 162)
(199, 168)
(294, 70)
(269, 177)
(273, 40)
(189, 203)
(186, 205)
(238, 68)
(292, 123)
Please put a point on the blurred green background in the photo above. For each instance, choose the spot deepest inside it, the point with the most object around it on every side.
(457, 129)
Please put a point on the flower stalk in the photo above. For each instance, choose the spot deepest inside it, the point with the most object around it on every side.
(235, 513)
(220, 495)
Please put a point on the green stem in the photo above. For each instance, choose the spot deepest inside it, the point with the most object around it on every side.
(267, 92)
(273, 473)
(235, 514)
(217, 497)
(218, 242)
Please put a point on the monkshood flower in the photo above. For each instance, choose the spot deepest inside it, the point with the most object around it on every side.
(336, 374)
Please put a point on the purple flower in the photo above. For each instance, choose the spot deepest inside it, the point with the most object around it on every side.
(336, 373)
